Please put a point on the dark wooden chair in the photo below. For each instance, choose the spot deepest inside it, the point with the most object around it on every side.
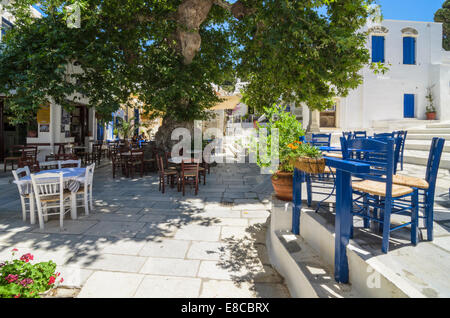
(168, 175)
(29, 158)
(189, 174)
(15, 155)
(134, 161)
(118, 162)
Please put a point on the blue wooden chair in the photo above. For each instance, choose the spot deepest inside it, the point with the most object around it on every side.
(375, 191)
(359, 134)
(426, 186)
(401, 134)
(321, 140)
(324, 183)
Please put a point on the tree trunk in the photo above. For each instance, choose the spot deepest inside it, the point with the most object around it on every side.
(163, 137)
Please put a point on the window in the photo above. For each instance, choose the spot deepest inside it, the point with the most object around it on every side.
(409, 50)
(377, 49)
(5, 26)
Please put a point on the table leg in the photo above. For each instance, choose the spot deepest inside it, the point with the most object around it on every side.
(73, 205)
(297, 201)
(32, 209)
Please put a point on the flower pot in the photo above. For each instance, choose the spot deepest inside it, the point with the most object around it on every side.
(310, 165)
(431, 116)
(32, 134)
(282, 184)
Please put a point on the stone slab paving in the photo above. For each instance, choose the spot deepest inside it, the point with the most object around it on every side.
(140, 243)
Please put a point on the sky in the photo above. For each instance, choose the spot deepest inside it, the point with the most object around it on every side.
(412, 10)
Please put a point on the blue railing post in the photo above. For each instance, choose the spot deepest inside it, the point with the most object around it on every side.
(343, 224)
(297, 200)
(344, 206)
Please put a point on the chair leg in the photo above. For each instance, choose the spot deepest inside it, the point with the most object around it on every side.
(386, 227)
(415, 217)
(86, 203)
(24, 208)
(91, 197)
(429, 216)
(366, 212)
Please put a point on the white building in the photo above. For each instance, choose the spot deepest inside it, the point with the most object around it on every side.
(416, 60)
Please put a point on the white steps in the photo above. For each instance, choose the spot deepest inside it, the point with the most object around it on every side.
(418, 144)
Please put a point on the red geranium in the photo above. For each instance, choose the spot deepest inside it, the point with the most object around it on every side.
(27, 257)
(52, 280)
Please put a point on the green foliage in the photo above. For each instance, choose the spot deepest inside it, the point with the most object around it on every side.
(290, 51)
(285, 48)
(21, 279)
(289, 131)
(126, 128)
(443, 15)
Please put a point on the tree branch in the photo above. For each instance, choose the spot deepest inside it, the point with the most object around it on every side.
(237, 9)
(224, 4)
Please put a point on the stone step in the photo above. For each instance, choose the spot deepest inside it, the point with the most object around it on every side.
(422, 145)
(430, 131)
(426, 136)
(440, 125)
(421, 158)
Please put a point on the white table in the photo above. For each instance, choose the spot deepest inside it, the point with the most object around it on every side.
(72, 177)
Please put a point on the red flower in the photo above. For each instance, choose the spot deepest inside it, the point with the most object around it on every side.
(27, 257)
(62, 279)
(17, 296)
(14, 250)
(52, 280)
(11, 278)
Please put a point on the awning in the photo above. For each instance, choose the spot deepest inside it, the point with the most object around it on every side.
(229, 102)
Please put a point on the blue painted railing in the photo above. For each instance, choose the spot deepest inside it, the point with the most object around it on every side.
(343, 223)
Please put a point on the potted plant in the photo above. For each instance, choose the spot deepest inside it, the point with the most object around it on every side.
(19, 278)
(430, 110)
(289, 147)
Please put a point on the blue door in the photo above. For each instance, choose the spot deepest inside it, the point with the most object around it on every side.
(408, 106)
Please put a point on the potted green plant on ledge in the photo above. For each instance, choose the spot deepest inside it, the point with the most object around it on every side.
(430, 110)
(289, 148)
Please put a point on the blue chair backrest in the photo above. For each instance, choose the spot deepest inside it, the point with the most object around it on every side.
(347, 135)
(321, 140)
(397, 149)
(359, 134)
(302, 139)
(385, 135)
(378, 153)
(434, 159)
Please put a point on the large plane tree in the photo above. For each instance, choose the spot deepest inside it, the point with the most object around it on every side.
(168, 53)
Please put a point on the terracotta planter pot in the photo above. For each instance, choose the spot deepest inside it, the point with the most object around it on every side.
(309, 165)
(431, 116)
(282, 184)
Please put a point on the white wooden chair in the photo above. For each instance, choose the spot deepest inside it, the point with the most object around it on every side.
(20, 173)
(84, 194)
(47, 165)
(49, 193)
(69, 164)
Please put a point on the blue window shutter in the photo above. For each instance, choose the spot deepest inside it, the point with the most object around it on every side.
(377, 49)
(409, 50)
(408, 106)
